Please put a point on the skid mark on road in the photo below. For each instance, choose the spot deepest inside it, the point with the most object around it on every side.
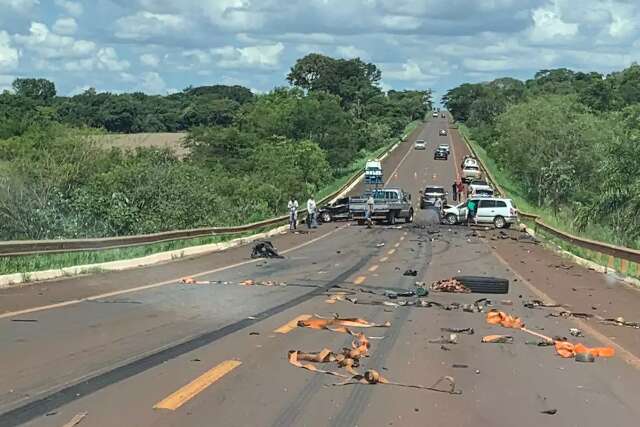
(191, 390)
(291, 325)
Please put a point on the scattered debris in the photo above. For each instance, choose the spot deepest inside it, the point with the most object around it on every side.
(585, 357)
(450, 285)
(198, 360)
(467, 331)
(498, 339)
(619, 321)
(379, 245)
(264, 249)
(495, 317)
(571, 314)
(567, 349)
(410, 273)
(24, 320)
(537, 303)
(453, 339)
(549, 412)
(541, 343)
(459, 365)
(506, 302)
(338, 324)
(254, 333)
(575, 332)
(76, 419)
(444, 348)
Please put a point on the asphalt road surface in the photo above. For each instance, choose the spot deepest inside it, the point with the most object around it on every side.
(138, 348)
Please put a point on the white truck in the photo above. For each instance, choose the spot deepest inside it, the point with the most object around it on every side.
(389, 204)
(373, 172)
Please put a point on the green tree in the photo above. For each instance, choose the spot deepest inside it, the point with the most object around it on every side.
(41, 90)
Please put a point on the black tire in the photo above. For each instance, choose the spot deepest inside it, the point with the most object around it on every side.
(422, 206)
(499, 222)
(391, 218)
(507, 225)
(485, 285)
(361, 222)
(409, 219)
(326, 217)
(451, 219)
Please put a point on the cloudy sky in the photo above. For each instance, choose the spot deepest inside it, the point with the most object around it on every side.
(159, 46)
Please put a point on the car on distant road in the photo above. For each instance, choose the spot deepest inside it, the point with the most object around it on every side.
(480, 188)
(443, 132)
(430, 194)
(445, 147)
(470, 172)
(420, 144)
(442, 115)
(440, 154)
(468, 161)
(501, 212)
(389, 204)
(338, 210)
(435, 114)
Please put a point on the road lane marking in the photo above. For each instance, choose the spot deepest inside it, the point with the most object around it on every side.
(629, 358)
(384, 259)
(394, 174)
(401, 238)
(154, 285)
(373, 268)
(189, 391)
(455, 158)
(397, 245)
(391, 252)
(291, 325)
(359, 280)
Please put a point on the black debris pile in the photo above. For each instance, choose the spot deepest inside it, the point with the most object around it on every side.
(410, 273)
(619, 321)
(264, 249)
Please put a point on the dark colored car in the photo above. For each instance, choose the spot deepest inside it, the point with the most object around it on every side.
(440, 154)
(335, 211)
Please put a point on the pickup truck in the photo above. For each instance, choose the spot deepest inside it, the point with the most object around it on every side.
(389, 204)
(373, 172)
(470, 172)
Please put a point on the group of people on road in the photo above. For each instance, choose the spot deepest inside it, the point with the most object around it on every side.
(457, 192)
(312, 213)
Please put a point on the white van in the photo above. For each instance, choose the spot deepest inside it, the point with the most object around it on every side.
(501, 212)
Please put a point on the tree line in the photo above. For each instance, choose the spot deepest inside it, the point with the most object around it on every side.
(247, 153)
(569, 140)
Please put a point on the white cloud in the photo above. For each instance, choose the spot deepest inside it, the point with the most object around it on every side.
(5, 82)
(8, 54)
(351, 52)
(65, 26)
(409, 71)
(548, 26)
(399, 22)
(71, 7)
(150, 60)
(20, 6)
(50, 45)
(144, 25)
(152, 83)
(105, 59)
(265, 56)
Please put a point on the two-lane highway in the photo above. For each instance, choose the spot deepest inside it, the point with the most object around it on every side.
(217, 354)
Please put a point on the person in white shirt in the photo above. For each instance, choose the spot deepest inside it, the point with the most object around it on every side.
(311, 210)
(293, 213)
(369, 212)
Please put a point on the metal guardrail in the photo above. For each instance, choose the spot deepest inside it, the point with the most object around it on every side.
(35, 247)
(613, 251)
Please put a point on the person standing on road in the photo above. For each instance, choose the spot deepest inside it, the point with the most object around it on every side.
(472, 209)
(369, 211)
(311, 210)
(438, 205)
(293, 213)
(454, 191)
(460, 189)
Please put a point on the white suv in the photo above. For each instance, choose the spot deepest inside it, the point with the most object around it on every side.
(420, 144)
(501, 212)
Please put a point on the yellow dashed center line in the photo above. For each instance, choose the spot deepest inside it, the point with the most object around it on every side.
(289, 326)
(391, 252)
(401, 238)
(359, 280)
(397, 245)
(373, 268)
(384, 259)
(189, 391)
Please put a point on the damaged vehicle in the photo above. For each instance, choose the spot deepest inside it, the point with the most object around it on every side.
(390, 204)
(502, 213)
(430, 194)
(336, 211)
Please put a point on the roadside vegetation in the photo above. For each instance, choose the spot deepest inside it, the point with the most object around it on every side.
(565, 145)
(247, 154)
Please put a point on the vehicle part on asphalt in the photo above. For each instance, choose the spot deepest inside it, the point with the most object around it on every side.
(484, 285)
(575, 332)
(410, 272)
(585, 357)
(619, 321)
(373, 377)
(537, 303)
(76, 419)
(498, 339)
(571, 314)
(459, 365)
(549, 412)
(506, 302)
(450, 285)
(496, 317)
(379, 245)
(452, 339)
(264, 249)
(541, 343)
(25, 320)
(338, 324)
(567, 349)
(467, 331)
(445, 348)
